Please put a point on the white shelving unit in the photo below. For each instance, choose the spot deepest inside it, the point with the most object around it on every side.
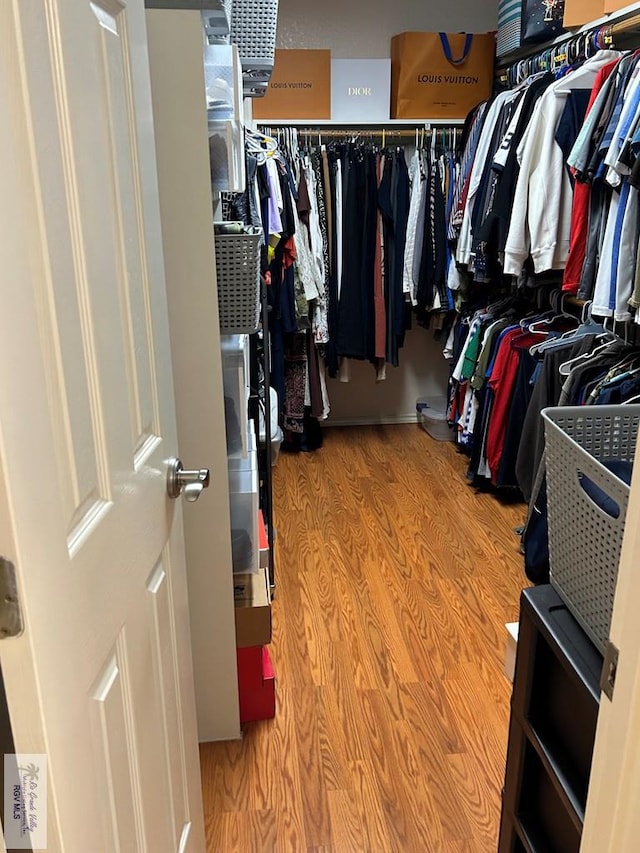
(184, 179)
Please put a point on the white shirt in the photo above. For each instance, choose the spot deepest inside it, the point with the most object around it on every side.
(465, 241)
(543, 200)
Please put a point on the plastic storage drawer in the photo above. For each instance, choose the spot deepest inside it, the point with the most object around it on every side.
(432, 417)
(243, 499)
(245, 463)
(235, 380)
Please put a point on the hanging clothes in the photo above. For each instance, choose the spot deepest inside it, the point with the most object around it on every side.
(353, 240)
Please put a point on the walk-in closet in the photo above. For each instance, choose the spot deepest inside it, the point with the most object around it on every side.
(320, 396)
(401, 249)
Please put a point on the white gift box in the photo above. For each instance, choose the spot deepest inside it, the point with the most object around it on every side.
(360, 89)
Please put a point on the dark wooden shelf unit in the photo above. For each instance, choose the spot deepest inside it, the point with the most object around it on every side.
(554, 713)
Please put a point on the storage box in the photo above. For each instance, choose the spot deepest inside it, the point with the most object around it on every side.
(240, 462)
(243, 505)
(426, 84)
(512, 649)
(432, 417)
(252, 609)
(300, 87)
(263, 542)
(587, 506)
(223, 82)
(615, 5)
(226, 156)
(256, 685)
(360, 89)
(579, 12)
(235, 383)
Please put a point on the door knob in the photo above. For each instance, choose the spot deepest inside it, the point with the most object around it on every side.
(188, 483)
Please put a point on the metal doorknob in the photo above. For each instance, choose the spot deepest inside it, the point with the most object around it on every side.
(188, 483)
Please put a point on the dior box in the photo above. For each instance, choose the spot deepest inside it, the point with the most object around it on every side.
(360, 89)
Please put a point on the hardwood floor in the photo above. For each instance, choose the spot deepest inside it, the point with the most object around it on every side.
(394, 581)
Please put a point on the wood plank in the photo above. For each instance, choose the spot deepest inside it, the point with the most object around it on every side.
(347, 821)
(315, 804)
(394, 581)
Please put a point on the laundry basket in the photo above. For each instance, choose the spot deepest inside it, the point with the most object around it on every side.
(253, 29)
(587, 506)
(238, 274)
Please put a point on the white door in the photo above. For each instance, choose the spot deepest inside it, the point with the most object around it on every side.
(612, 820)
(101, 680)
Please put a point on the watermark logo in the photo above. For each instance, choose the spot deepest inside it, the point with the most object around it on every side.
(25, 801)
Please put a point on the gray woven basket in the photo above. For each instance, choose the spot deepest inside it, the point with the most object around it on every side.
(584, 539)
(238, 274)
(253, 29)
(217, 20)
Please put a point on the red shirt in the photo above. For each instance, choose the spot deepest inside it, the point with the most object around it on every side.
(502, 381)
(581, 203)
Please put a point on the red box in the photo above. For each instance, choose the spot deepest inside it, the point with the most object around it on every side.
(263, 542)
(256, 684)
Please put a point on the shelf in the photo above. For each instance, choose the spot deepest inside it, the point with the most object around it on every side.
(578, 655)
(530, 837)
(559, 774)
(542, 815)
(554, 710)
(391, 122)
(524, 52)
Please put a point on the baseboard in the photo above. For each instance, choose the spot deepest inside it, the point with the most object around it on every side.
(393, 420)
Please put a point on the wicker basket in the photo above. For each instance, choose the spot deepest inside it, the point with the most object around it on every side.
(585, 539)
(253, 29)
(238, 274)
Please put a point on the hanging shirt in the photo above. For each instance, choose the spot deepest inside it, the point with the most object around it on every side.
(502, 381)
(615, 279)
(604, 85)
(579, 230)
(542, 206)
(417, 181)
(480, 165)
(628, 116)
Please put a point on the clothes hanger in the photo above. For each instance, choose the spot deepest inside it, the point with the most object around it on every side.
(260, 144)
(567, 367)
(588, 326)
(538, 326)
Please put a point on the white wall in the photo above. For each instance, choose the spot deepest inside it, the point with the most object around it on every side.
(423, 372)
(363, 28)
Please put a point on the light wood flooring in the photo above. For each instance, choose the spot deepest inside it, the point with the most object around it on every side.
(394, 581)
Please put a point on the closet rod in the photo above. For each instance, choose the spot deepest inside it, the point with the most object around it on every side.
(365, 134)
(454, 131)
